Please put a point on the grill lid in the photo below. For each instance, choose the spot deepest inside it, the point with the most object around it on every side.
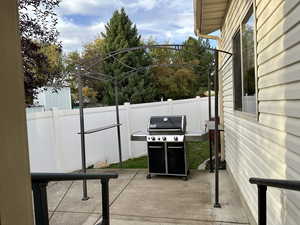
(167, 124)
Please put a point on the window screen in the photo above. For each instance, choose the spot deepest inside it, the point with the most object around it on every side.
(249, 93)
(237, 72)
(244, 66)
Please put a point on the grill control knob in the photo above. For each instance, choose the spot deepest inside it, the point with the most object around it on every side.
(153, 138)
(175, 138)
(164, 138)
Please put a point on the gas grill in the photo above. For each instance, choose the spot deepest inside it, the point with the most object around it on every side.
(166, 147)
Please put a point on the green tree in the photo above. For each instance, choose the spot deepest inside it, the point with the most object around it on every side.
(71, 61)
(35, 34)
(137, 87)
(194, 79)
(175, 83)
(92, 61)
(54, 65)
(196, 52)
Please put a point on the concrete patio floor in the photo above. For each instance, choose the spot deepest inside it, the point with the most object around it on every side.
(134, 200)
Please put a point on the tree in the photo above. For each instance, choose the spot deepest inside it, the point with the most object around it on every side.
(196, 52)
(91, 61)
(72, 60)
(137, 87)
(37, 29)
(194, 79)
(55, 66)
(175, 83)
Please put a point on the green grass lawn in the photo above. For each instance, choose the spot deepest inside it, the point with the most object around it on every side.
(198, 153)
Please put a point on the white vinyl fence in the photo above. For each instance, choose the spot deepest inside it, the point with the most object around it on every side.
(54, 144)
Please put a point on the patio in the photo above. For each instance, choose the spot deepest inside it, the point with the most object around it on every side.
(134, 200)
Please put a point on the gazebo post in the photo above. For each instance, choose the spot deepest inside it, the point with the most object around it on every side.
(118, 121)
(82, 135)
(209, 118)
(216, 131)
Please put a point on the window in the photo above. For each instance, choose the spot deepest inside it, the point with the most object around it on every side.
(244, 66)
(237, 71)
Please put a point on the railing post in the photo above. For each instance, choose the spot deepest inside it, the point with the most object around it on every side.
(262, 204)
(105, 202)
(40, 203)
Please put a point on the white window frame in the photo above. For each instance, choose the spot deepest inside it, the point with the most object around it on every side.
(242, 113)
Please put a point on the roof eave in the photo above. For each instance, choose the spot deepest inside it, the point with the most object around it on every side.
(209, 15)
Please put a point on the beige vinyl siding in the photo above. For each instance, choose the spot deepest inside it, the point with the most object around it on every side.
(270, 146)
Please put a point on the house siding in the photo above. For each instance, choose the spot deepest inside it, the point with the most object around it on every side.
(268, 147)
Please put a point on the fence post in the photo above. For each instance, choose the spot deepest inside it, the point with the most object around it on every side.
(57, 135)
(170, 106)
(128, 121)
(199, 108)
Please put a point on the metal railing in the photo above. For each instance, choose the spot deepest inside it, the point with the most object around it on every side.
(262, 185)
(39, 188)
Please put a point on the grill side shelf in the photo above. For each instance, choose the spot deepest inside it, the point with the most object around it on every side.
(138, 136)
(156, 147)
(195, 137)
(176, 147)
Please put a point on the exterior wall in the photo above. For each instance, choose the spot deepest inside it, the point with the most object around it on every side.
(15, 184)
(54, 144)
(269, 146)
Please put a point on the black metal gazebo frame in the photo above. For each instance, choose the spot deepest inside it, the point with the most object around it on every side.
(86, 73)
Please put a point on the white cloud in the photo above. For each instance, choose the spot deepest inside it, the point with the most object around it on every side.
(163, 20)
(90, 7)
(151, 27)
(143, 4)
(94, 7)
(186, 23)
(74, 36)
(174, 27)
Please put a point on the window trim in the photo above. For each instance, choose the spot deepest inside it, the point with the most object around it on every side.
(243, 114)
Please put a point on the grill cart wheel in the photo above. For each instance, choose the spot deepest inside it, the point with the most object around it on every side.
(148, 176)
(185, 178)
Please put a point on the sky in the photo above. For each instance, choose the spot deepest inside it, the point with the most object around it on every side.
(81, 21)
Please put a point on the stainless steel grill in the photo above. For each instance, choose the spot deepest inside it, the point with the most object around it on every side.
(166, 129)
(166, 145)
(160, 124)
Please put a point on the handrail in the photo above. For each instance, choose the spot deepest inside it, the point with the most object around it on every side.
(47, 177)
(283, 184)
(262, 185)
(39, 188)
